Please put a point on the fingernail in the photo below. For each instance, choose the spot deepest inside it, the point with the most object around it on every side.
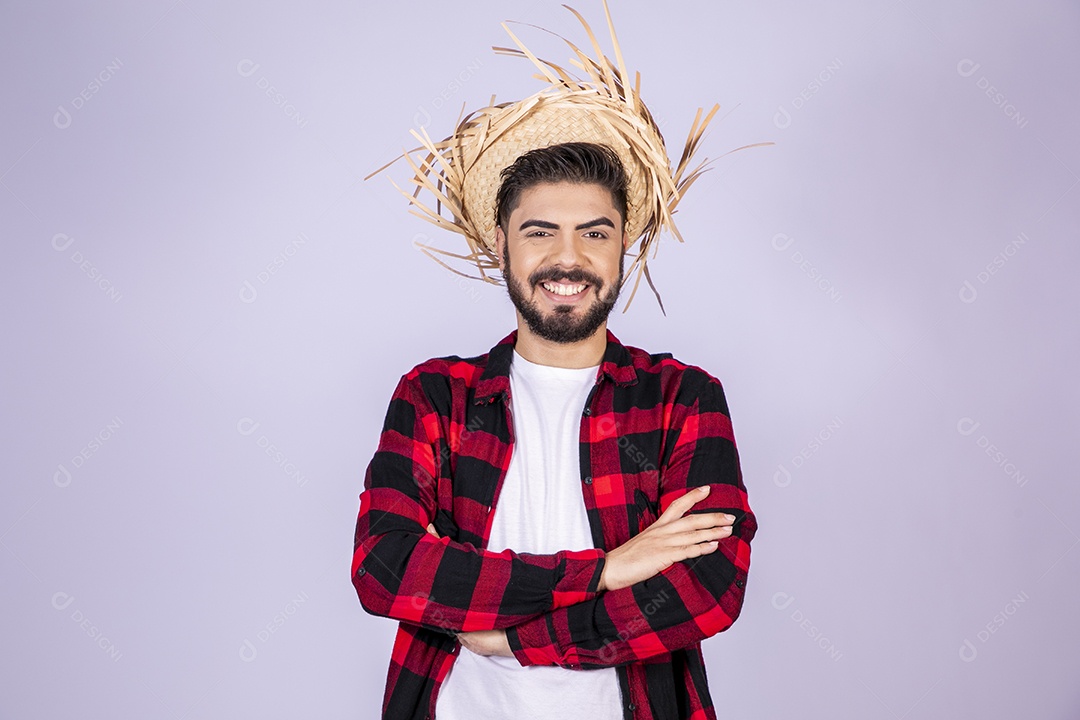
(731, 518)
(704, 489)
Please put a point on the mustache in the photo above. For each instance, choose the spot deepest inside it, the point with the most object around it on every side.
(574, 276)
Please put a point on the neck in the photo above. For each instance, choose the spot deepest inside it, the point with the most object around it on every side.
(582, 354)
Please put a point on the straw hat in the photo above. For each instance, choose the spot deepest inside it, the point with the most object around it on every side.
(462, 171)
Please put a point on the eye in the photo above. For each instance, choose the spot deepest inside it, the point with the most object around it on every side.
(537, 233)
(596, 235)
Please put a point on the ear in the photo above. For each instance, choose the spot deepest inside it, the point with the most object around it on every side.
(500, 239)
(625, 241)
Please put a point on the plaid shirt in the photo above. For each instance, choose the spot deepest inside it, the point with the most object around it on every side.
(652, 429)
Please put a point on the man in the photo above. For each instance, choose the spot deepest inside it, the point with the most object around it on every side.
(622, 534)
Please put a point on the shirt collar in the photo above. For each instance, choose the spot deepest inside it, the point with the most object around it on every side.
(617, 364)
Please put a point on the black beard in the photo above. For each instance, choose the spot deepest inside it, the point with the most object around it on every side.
(561, 326)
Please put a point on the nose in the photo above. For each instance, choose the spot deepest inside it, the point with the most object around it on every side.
(567, 250)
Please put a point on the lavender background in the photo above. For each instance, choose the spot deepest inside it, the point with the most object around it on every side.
(206, 310)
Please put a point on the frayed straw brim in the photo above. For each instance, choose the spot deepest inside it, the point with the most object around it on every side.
(462, 172)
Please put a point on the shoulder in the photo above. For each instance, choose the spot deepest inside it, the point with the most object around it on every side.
(680, 382)
(442, 370)
(445, 381)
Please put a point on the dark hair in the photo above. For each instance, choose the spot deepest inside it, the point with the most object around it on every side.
(577, 162)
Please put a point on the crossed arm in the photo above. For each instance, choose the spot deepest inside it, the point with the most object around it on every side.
(403, 572)
(625, 624)
(554, 609)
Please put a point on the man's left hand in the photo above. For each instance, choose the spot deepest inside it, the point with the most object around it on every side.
(486, 642)
(482, 642)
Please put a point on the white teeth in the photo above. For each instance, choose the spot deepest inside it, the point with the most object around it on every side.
(564, 289)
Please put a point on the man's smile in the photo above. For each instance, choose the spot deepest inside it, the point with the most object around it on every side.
(563, 291)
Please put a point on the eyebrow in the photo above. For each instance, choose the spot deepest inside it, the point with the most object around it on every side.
(553, 226)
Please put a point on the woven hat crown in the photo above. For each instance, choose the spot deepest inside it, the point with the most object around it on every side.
(554, 122)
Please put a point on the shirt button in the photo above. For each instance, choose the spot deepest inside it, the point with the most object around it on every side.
(361, 571)
(588, 411)
(632, 707)
(740, 583)
(588, 480)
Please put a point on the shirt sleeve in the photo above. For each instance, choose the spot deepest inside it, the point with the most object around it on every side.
(687, 602)
(401, 571)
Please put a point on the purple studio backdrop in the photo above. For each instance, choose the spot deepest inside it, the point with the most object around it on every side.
(208, 309)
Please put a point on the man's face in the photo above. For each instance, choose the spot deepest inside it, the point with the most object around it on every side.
(563, 236)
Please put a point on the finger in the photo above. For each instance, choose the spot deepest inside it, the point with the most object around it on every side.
(682, 504)
(690, 523)
(431, 529)
(682, 531)
(710, 534)
(705, 520)
(699, 549)
(678, 536)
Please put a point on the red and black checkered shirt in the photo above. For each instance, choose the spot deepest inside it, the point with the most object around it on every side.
(652, 429)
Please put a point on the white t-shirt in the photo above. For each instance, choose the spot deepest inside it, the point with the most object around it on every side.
(540, 509)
